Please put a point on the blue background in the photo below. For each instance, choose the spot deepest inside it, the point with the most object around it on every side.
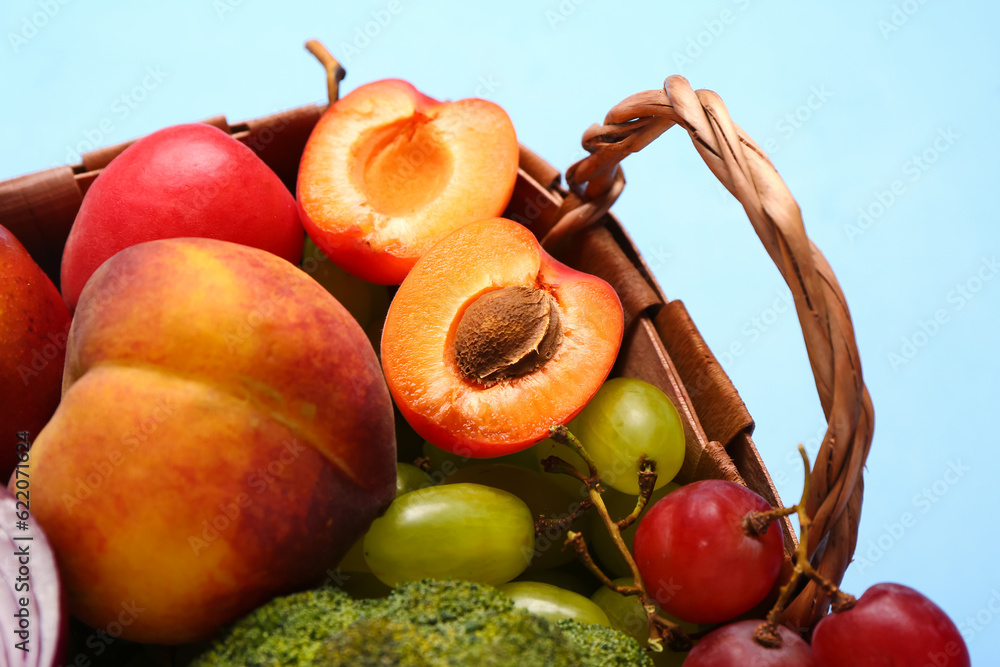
(865, 107)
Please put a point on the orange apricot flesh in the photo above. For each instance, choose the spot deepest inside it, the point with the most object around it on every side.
(388, 171)
(463, 414)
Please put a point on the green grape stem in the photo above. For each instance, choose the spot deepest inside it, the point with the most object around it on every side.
(542, 524)
(561, 434)
(575, 540)
(766, 633)
(647, 484)
(659, 628)
(556, 464)
(757, 523)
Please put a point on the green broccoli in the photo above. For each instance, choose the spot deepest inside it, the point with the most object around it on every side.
(606, 647)
(421, 624)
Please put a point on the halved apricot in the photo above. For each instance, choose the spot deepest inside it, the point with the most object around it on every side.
(489, 340)
(388, 171)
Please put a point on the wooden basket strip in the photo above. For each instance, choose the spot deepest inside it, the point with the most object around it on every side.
(715, 398)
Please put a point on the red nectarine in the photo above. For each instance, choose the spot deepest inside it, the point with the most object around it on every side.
(185, 180)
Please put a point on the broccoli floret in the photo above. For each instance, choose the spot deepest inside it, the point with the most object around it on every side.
(286, 631)
(507, 639)
(421, 624)
(605, 646)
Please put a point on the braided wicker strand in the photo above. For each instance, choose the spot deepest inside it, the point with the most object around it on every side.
(743, 168)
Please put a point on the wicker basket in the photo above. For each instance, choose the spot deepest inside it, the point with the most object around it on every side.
(661, 344)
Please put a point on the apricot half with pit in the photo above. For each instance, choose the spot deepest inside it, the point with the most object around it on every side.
(489, 341)
(388, 171)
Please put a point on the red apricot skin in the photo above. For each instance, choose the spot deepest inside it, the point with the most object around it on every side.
(34, 324)
(225, 436)
(388, 171)
(465, 417)
(185, 180)
(890, 624)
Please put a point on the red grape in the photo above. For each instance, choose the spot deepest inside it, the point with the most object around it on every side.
(891, 624)
(697, 559)
(733, 645)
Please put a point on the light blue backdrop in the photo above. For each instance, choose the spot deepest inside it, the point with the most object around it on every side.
(878, 114)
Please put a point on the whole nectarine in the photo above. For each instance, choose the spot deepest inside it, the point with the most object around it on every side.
(185, 180)
(34, 324)
(225, 435)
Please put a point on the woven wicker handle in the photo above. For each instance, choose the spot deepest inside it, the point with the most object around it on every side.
(597, 180)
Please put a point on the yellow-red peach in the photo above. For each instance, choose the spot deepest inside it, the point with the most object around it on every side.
(225, 434)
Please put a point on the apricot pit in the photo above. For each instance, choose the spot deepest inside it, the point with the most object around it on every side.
(507, 333)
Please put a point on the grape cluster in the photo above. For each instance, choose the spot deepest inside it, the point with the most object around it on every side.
(689, 561)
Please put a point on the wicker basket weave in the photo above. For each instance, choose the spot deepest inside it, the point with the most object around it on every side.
(661, 344)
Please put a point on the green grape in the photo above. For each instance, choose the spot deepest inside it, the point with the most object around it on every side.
(408, 478)
(560, 578)
(627, 615)
(444, 464)
(457, 531)
(409, 444)
(362, 585)
(543, 499)
(626, 420)
(354, 559)
(553, 602)
(619, 506)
